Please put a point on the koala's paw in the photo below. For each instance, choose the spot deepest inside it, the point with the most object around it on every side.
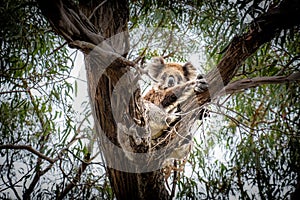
(173, 119)
(201, 84)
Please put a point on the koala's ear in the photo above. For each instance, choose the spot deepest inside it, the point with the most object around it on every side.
(158, 60)
(189, 71)
(156, 66)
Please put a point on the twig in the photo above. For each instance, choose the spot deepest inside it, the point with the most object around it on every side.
(76, 179)
(28, 148)
(58, 48)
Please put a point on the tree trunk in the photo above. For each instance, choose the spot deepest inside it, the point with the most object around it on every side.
(127, 180)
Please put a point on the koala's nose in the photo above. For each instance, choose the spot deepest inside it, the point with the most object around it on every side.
(171, 81)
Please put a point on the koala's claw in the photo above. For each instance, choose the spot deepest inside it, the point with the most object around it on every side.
(201, 84)
(172, 119)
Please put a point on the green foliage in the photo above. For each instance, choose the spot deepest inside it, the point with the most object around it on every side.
(36, 96)
(255, 152)
(250, 147)
(252, 156)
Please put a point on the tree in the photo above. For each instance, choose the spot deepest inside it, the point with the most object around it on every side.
(92, 28)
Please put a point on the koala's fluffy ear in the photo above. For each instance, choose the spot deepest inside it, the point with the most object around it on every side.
(189, 71)
(156, 66)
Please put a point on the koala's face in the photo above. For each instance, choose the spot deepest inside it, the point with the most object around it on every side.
(168, 75)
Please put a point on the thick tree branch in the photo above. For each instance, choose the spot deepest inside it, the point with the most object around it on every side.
(28, 148)
(263, 29)
(68, 21)
(257, 81)
(117, 59)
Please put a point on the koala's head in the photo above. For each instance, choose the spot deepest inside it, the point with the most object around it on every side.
(169, 75)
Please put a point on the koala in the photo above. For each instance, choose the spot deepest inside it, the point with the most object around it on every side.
(173, 84)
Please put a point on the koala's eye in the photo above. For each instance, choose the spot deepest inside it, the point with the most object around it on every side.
(171, 81)
(164, 76)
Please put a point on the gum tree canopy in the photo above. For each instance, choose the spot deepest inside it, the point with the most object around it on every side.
(253, 44)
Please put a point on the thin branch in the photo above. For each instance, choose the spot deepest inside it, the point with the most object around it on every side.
(28, 148)
(257, 81)
(10, 163)
(58, 48)
(15, 183)
(149, 40)
(28, 191)
(175, 179)
(76, 179)
(12, 91)
(97, 7)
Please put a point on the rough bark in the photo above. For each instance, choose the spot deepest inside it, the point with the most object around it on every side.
(97, 21)
(104, 71)
(111, 19)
